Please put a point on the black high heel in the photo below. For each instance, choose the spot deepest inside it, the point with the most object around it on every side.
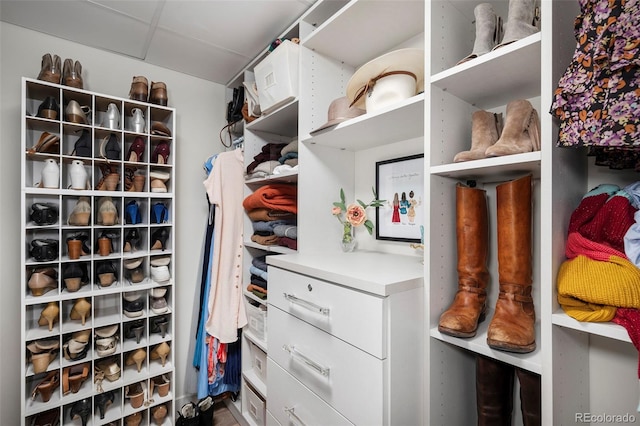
(82, 147)
(131, 240)
(135, 329)
(159, 239)
(44, 213)
(103, 400)
(75, 275)
(159, 325)
(81, 409)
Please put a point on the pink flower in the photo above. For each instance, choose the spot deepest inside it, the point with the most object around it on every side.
(336, 211)
(356, 215)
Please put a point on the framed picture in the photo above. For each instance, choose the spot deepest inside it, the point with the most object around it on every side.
(400, 182)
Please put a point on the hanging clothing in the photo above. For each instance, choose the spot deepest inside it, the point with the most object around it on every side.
(596, 98)
(224, 188)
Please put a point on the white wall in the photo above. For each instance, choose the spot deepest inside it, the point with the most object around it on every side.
(200, 116)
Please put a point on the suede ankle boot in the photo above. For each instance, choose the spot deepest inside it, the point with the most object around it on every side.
(488, 31)
(485, 131)
(520, 22)
(521, 132)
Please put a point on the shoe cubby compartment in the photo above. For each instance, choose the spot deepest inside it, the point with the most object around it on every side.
(45, 359)
(42, 211)
(37, 317)
(160, 301)
(155, 362)
(107, 310)
(112, 366)
(160, 152)
(107, 341)
(77, 107)
(160, 240)
(135, 118)
(34, 397)
(93, 283)
(156, 326)
(42, 245)
(135, 212)
(160, 211)
(132, 328)
(130, 371)
(76, 278)
(108, 113)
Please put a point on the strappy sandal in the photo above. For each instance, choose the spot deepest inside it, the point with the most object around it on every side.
(106, 346)
(46, 386)
(44, 213)
(74, 350)
(110, 178)
(44, 249)
(106, 369)
(73, 377)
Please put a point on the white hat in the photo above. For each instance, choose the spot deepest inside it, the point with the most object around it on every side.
(396, 75)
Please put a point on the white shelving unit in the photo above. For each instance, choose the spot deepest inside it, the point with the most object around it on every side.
(107, 302)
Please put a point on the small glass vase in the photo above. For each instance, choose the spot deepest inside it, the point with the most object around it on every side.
(348, 242)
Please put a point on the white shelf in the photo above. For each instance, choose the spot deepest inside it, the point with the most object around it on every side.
(402, 121)
(256, 382)
(604, 329)
(272, 249)
(370, 24)
(509, 165)
(271, 179)
(283, 121)
(254, 339)
(495, 78)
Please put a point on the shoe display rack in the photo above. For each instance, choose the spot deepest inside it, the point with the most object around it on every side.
(98, 181)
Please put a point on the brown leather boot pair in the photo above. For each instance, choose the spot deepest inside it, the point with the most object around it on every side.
(512, 327)
(494, 393)
(140, 91)
(51, 70)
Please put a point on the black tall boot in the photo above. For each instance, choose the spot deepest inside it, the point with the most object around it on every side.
(494, 392)
(205, 408)
(530, 397)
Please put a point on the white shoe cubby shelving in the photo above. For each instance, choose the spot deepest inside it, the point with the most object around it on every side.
(141, 257)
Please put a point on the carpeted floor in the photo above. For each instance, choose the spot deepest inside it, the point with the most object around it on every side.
(222, 416)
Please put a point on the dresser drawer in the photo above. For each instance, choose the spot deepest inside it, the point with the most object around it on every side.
(356, 317)
(347, 378)
(290, 402)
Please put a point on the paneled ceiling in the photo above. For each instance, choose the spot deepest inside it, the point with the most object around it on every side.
(209, 39)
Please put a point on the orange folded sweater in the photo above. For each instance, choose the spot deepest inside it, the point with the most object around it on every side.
(277, 197)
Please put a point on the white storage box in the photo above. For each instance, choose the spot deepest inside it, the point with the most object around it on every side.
(257, 321)
(277, 77)
(256, 407)
(258, 361)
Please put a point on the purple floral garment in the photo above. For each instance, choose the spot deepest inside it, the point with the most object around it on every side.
(598, 97)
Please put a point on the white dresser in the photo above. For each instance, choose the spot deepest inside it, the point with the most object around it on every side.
(345, 339)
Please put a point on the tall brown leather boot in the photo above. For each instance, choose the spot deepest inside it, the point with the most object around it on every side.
(512, 327)
(530, 397)
(469, 304)
(494, 392)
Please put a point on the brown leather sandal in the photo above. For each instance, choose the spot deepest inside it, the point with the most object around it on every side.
(73, 377)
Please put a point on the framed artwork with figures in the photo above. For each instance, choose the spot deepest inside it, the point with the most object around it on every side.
(400, 181)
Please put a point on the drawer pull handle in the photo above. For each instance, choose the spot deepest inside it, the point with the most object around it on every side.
(306, 304)
(293, 416)
(297, 355)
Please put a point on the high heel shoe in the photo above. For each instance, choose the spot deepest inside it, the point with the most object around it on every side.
(107, 212)
(47, 418)
(161, 352)
(135, 393)
(103, 400)
(75, 275)
(139, 89)
(135, 329)
(113, 117)
(46, 386)
(110, 178)
(75, 350)
(82, 147)
(106, 273)
(73, 377)
(105, 243)
(51, 69)
(81, 409)
(48, 143)
(161, 153)
(42, 280)
(159, 325)
(72, 74)
(162, 383)
(131, 240)
(81, 310)
(110, 147)
(159, 213)
(133, 179)
(137, 121)
(132, 214)
(43, 214)
(159, 180)
(42, 353)
(44, 249)
(136, 357)
(49, 108)
(49, 315)
(77, 246)
(136, 150)
(76, 113)
(159, 412)
(159, 239)
(81, 213)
